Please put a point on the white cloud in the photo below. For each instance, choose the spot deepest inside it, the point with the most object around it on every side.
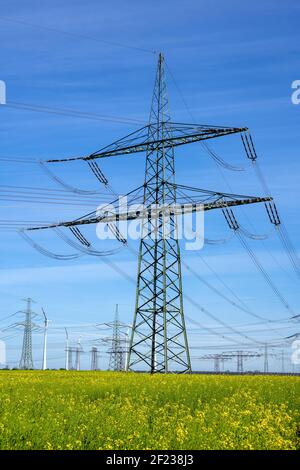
(68, 274)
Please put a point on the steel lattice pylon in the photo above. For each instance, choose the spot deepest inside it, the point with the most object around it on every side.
(240, 362)
(70, 358)
(159, 305)
(266, 362)
(94, 358)
(26, 361)
(117, 352)
(158, 340)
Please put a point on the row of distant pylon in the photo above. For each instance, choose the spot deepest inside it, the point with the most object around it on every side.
(219, 359)
(117, 351)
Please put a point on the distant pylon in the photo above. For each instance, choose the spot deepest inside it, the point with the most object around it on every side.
(26, 361)
(217, 364)
(70, 359)
(94, 358)
(67, 351)
(282, 361)
(240, 366)
(46, 324)
(266, 362)
(117, 351)
(78, 351)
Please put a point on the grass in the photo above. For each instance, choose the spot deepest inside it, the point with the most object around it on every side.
(107, 410)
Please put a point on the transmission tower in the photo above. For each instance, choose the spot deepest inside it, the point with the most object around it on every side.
(159, 303)
(218, 359)
(67, 365)
(78, 353)
(240, 357)
(117, 351)
(94, 358)
(46, 324)
(266, 360)
(69, 350)
(158, 340)
(72, 351)
(240, 363)
(282, 362)
(70, 357)
(26, 361)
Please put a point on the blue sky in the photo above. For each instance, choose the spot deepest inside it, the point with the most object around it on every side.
(233, 63)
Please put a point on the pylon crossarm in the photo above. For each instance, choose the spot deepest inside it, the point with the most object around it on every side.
(175, 134)
(181, 209)
(178, 209)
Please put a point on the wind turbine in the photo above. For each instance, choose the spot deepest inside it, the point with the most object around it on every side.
(67, 350)
(46, 323)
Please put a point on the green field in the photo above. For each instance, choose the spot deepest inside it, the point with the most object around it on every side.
(107, 410)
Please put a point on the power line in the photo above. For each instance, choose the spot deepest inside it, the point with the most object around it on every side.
(12, 188)
(208, 313)
(192, 301)
(287, 244)
(71, 113)
(223, 296)
(77, 35)
(221, 322)
(13, 159)
(221, 280)
(210, 329)
(47, 200)
(264, 273)
(219, 169)
(271, 208)
(9, 316)
(62, 183)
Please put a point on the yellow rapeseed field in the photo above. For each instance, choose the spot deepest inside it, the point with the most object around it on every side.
(108, 410)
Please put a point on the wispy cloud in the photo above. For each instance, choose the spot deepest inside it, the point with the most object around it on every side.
(72, 274)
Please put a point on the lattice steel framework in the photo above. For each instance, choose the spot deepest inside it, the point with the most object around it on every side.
(26, 361)
(94, 358)
(70, 358)
(219, 360)
(240, 356)
(78, 354)
(159, 337)
(266, 359)
(117, 350)
(240, 362)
